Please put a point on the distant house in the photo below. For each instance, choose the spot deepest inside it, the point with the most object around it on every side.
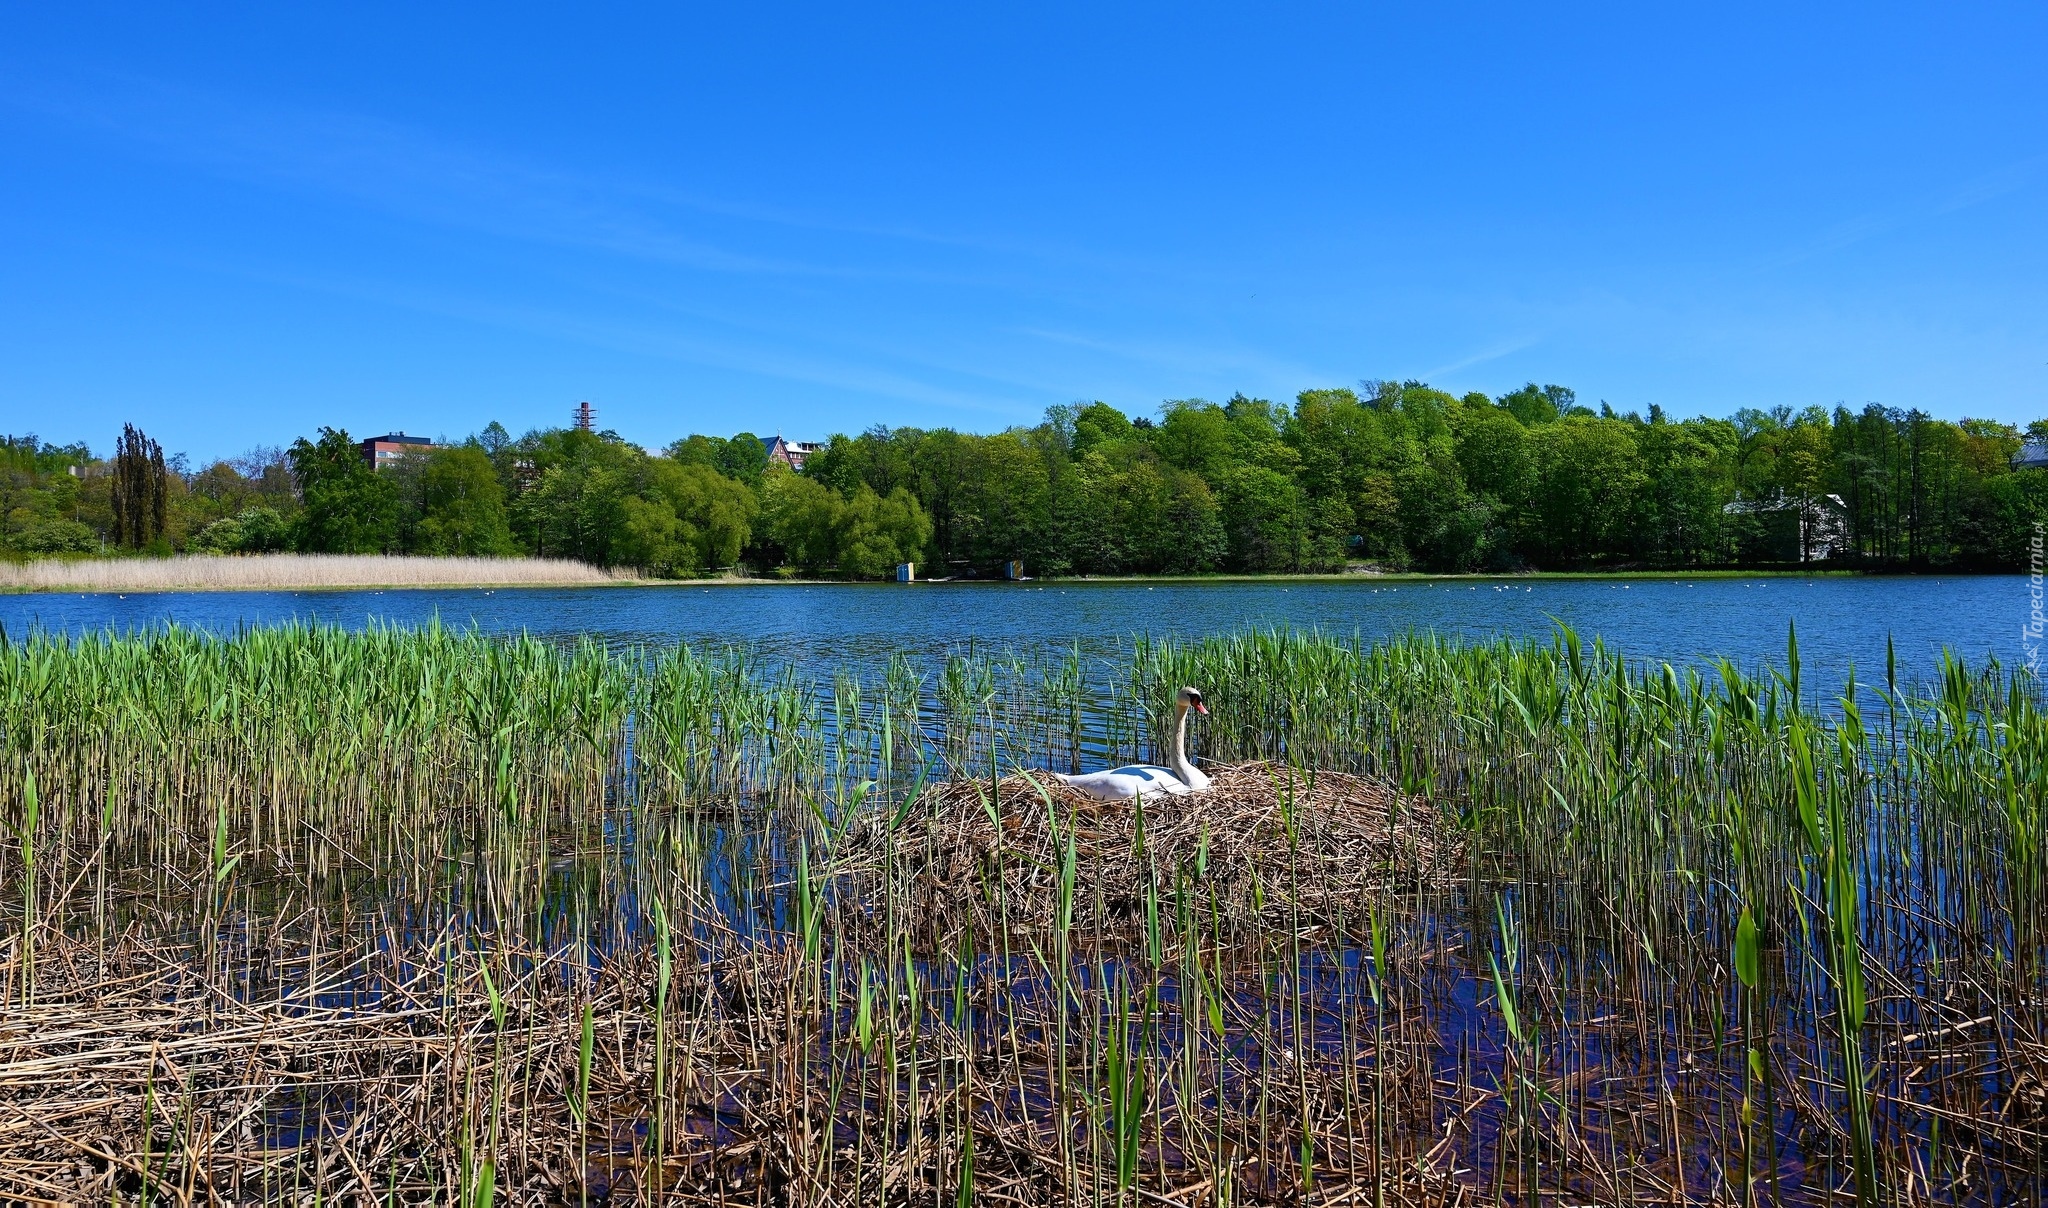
(2032, 456)
(381, 451)
(1790, 529)
(789, 452)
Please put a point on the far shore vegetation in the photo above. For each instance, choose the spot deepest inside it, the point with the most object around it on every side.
(1396, 478)
(348, 572)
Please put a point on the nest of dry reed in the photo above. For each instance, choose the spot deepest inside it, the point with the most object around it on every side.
(1290, 846)
(137, 1076)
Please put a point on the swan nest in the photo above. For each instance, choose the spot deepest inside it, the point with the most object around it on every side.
(1285, 845)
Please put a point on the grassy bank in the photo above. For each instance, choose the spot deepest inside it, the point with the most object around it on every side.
(408, 915)
(286, 572)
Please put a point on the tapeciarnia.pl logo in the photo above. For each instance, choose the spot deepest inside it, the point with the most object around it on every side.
(2037, 624)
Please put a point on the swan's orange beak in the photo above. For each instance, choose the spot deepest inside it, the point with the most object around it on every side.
(1201, 708)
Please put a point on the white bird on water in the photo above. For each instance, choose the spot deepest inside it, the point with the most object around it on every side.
(1150, 779)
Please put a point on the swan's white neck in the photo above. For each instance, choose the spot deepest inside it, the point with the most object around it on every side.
(1189, 774)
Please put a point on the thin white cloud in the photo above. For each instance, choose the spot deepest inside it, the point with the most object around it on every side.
(1207, 360)
(1492, 353)
(400, 170)
(1993, 184)
(770, 358)
(1988, 186)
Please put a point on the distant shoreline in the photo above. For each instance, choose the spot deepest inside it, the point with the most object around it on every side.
(369, 572)
(293, 572)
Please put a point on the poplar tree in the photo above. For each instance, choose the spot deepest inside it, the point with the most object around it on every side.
(141, 491)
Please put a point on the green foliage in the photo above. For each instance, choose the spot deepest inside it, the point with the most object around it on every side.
(689, 517)
(575, 507)
(253, 531)
(29, 455)
(1747, 965)
(462, 505)
(1194, 435)
(1407, 476)
(744, 457)
(1533, 406)
(56, 537)
(349, 507)
(862, 537)
(876, 532)
(1397, 474)
(1263, 519)
(1588, 473)
(594, 497)
(1098, 424)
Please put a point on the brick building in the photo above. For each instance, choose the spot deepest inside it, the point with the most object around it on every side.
(789, 452)
(381, 451)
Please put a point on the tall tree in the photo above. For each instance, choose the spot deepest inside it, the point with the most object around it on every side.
(462, 504)
(141, 489)
(348, 507)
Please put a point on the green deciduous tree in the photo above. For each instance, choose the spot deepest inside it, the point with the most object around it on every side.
(1195, 435)
(1533, 405)
(745, 458)
(462, 505)
(1395, 472)
(255, 530)
(1588, 473)
(1264, 520)
(348, 508)
(1685, 485)
(688, 517)
(876, 532)
(863, 536)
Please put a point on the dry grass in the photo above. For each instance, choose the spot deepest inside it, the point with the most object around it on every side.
(281, 572)
(153, 1073)
(138, 1078)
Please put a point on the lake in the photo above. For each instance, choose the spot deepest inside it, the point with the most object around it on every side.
(1841, 620)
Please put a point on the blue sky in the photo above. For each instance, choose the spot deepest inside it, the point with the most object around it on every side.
(231, 225)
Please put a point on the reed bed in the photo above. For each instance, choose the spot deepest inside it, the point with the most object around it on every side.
(426, 916)
(286, 572)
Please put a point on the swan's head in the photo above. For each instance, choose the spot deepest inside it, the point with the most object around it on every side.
(1191, 698)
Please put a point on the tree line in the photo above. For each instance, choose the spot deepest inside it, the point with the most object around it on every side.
(1395, 475)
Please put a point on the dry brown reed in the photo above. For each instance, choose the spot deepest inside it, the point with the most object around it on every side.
(134, 1077)
(1266, 841)
(139, 1074)
(284, 572)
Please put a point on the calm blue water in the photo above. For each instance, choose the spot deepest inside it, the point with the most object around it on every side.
(1840, 620)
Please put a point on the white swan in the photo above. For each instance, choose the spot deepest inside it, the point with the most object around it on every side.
(1150, 779)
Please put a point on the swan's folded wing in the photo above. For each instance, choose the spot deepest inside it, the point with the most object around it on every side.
(1131, 780)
